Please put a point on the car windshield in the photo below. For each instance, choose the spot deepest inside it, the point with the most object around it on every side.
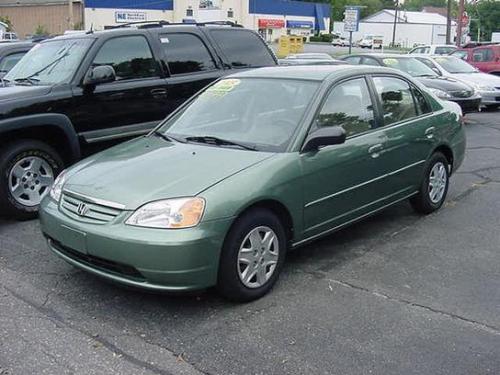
(411, 66)
(256, 113)
(454, 65)
(50, 63)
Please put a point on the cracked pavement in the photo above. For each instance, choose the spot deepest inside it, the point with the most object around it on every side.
(398, 293)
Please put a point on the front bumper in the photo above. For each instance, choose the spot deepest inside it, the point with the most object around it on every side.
(490, 97)
(154, 259)
(468, 105)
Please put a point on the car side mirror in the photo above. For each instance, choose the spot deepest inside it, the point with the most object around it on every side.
(437, 71)
(100, 74)
(326, 136)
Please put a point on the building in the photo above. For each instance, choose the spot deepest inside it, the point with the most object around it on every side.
(272, 18)
(51, 16)
(412, 28)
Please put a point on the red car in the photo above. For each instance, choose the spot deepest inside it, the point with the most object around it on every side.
(484, 58)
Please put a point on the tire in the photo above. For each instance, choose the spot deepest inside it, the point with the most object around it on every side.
(430, 199)
(27, 170)
(235, 281)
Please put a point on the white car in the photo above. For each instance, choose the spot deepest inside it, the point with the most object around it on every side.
(488, 85)
(434, 49)
(8, 37)
(371, 41)
(340, 42)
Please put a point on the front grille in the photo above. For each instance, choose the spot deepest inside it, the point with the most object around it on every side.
(95, 213)
(109, 266)
(462, 94)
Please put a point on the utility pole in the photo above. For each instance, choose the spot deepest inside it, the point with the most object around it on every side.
(461, 7)
(395, 22)
(70, 15)
(448, 22)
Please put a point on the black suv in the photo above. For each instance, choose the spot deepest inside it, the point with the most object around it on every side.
(73, 92)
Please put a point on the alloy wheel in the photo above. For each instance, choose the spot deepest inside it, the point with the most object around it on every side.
(437, 182)
(258, 257)
(30, 180)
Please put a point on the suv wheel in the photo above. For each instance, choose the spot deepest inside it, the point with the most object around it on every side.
(434, 188)
(27, 170)
(252, 256)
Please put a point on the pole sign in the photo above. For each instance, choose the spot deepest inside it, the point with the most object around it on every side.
(351, 18)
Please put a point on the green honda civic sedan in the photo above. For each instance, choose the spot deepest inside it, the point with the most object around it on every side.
(253, 165)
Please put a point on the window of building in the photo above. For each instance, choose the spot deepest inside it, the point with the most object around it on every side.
(396, 98)
(186, 53)
(348, 105)
(189, 12)
(230, 13)
(243, 48)
(130, 57)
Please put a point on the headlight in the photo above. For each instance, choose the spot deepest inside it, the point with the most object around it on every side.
(169, 213)
(56, 189)
(441, 94)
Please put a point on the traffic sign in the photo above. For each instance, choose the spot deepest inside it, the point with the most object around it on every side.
(351, 18)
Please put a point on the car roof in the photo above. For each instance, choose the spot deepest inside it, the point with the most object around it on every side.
(311, 73)
(16, 45)
(132, 29)
(382, 55)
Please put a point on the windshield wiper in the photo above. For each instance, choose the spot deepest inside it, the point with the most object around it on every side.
(218, 142)
(426, 75)
(168, 138)
(30, 80)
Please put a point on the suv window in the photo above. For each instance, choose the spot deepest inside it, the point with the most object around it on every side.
(186, 53)
(482, 55)
(9, 61)
(243, 48)
(130, 56)
(396, 98)
(348, 105)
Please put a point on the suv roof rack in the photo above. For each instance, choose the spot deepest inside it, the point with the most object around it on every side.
(162, 23)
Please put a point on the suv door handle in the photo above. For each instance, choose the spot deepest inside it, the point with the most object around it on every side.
(429, 132)
(375, 150)
(159, 93)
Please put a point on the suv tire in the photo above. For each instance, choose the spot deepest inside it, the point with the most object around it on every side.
(434, 187)
(244, 254)
(27, 170)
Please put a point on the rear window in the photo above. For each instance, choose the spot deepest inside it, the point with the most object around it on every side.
(243, 48)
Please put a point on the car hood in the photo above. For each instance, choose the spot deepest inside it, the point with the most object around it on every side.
(481, 79)
(150, 168)
(443, 83)
(13, 92)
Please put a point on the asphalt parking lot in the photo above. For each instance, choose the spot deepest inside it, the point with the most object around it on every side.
(398, 293)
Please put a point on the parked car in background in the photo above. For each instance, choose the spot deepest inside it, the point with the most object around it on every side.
(485, 58)
(310, 56)
(444, 87)
(8, 37)
(434, 49)
(488, 85)
(340, 42)
(10, 54)
(74, 92)
(371, 41)
(256, 163)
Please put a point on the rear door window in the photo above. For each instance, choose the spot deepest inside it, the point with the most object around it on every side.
(396, 98)
(186, 53)
(482, 55)
(243, 48)
(444, 50)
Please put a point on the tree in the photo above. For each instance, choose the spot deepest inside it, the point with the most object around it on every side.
(488, 14)
(41, 30)
(418, 5)
(7, 21)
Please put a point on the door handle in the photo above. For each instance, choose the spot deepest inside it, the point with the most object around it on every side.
(429, 132)
(159, 93)
(375, 150)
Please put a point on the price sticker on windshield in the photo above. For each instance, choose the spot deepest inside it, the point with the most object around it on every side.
(221, 88)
